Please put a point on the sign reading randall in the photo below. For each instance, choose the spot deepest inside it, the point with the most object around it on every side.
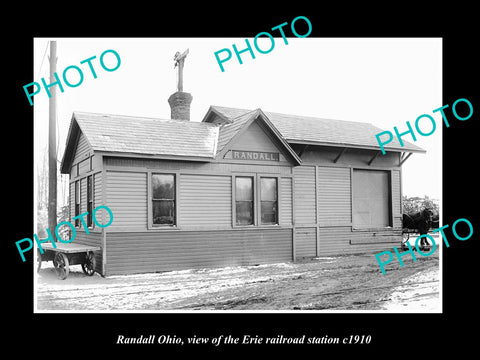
(255, 155)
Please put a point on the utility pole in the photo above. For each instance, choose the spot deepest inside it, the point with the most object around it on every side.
(52, 140)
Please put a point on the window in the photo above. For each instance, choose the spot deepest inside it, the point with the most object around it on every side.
(77, 203)
(244, 200)
(268, 201)
(163, 199)
(89, 200)
(371, 199)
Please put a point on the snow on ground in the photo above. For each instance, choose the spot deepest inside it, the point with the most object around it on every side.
(344, 283)
(141, 291)
(418, 293)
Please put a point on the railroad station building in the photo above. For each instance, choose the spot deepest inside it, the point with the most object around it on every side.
(239, 187)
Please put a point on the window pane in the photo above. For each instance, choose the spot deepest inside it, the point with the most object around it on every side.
(268, 189)
(90, 214)
(163, 212)
(244, 188)
(163, 186)
(244, 212)
(89, 188)
(269, 212)
(77, 212)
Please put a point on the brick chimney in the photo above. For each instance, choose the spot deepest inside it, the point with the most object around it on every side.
(180, 105)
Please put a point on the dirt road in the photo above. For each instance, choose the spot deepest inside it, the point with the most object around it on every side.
(328, 283)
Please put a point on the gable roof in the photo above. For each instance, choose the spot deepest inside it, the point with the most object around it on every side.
(233, 129)
(140, 135)
(317, 131)
(203, 141)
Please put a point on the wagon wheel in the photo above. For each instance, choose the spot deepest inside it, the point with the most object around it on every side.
(88, 266)
(405, 237)
(39, 260)
(60, 261)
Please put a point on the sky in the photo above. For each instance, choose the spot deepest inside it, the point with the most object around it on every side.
(382, 81)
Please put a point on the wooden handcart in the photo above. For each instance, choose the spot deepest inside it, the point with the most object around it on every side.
(65, 255)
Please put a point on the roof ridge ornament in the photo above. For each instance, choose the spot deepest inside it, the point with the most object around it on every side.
(180, 60)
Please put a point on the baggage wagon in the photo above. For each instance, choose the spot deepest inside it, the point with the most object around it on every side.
(66, 254)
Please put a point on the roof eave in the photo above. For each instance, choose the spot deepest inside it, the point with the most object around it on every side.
(253, 116)
(279, 136)
(70, 142)
(355, 146)
(154, 156)
(212, 110)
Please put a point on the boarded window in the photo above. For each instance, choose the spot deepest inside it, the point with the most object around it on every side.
(244, 200)
(268, 201)
(89, 200)
(163, 199)
(77, 203)
(371, 199)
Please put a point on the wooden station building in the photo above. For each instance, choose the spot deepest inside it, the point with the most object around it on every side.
(241, 187)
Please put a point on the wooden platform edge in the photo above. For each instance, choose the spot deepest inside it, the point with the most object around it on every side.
(69, 248)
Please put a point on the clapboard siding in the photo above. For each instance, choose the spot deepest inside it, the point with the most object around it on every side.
(396, 199)
(334, 196)
(84, 166)
(305, 202)
(82, 149)
(92, 239)
(97, 189)
(97, 197)
(83, 195)
(342, 240)
(126, 194)
(286, 201)
(195, 167)
(136, 252)
(254, 139)
(305, 242)
(71, 198)
(205, 201)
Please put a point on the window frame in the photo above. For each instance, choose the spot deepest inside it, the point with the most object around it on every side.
(234, 200)
(90, 201)
(150, 224)
(257, 216)
(260, 177)
(78, 193)
(355, 226)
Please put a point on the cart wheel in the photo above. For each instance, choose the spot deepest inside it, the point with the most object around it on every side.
(60, 261)
(39, 260)
(88, 266)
